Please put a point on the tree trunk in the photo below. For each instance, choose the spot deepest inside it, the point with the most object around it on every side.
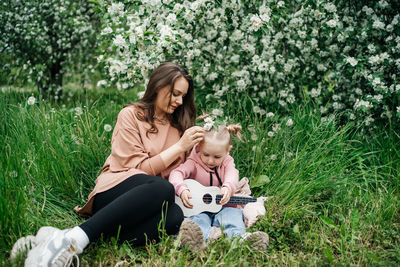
(52, 89)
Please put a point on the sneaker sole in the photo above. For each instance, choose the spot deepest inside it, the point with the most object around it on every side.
(22, 245)
(258, 240)
(191, 235)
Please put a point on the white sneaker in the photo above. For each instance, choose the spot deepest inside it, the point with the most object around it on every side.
(26, 243)
(22, 245)
(54, 250)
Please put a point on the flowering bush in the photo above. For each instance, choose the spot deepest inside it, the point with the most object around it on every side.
(344, 57)
(44, 37)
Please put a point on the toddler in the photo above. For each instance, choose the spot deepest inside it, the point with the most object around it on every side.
(211, 165)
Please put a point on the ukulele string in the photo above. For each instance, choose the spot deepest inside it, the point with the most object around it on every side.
(235, 200)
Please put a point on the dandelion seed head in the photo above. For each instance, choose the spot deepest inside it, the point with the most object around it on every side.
(107, 127)
(31, 100)
(78, 111)
(270, 115)
(217, 112)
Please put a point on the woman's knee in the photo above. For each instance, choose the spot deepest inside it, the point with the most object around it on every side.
(165, 190)
(173, 220)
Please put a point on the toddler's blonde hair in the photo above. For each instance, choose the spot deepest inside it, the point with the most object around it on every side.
(223, 133)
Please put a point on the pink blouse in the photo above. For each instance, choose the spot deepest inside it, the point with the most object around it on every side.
(132, 152)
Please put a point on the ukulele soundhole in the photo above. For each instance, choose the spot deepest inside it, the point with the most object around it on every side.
(207, 198)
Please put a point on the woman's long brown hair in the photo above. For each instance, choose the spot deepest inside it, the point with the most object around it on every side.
(165, 75)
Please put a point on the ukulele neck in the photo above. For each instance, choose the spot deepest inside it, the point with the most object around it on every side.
(236, 200)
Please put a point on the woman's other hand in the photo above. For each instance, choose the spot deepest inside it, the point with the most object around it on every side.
(185, 196)
(190, 137)
(226, 195)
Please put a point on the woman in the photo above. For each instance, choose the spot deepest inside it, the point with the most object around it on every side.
(131, 195)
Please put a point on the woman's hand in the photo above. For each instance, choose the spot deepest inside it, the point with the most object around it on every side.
(185, 196)
(226, 195)
(190, 137)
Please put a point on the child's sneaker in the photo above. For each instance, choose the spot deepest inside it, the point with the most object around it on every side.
(191, 235)
(258, 240)
(55, 250)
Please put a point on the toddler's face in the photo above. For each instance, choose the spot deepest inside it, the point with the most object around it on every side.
(212, 152)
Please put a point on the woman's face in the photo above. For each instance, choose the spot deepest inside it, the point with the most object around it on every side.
(167, 101)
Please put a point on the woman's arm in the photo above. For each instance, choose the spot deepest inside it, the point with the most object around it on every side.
(128, 151)
(190, 137)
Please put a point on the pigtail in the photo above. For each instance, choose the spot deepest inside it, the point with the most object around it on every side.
(202, 117)
(235, 130)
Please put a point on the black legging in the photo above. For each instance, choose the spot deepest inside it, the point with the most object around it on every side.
(137, 205)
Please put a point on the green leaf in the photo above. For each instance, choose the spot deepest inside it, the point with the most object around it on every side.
(296, 229)
(355, 219)
(328, 221)
(94, 2)
(328, 255)
(260, 180)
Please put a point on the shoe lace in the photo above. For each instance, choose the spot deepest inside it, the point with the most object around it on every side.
(66, 258)
(69, 262)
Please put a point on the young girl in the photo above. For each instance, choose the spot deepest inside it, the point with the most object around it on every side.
(211, 165)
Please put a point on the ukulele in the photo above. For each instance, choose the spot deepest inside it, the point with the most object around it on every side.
(207, 198)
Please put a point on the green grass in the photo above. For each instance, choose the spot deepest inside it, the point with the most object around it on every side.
(335, 189)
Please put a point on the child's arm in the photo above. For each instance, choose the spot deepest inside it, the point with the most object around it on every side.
(177, 176)
(231, 179)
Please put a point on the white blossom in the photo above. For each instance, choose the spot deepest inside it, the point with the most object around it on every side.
(116, 9)
(140, 94)
(378, 25)
(352, 61)
(107, 127)
(106, 30)
(78, 111)
(270, 115)
(120, 41)
(332, 23)
(217, 112)
(31, 100)
(208, 126)
(330, 7)
(362, 103)
(101, 83)
(256, 23)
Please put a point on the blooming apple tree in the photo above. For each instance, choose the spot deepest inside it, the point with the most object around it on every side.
(343, 57)
(45, 37)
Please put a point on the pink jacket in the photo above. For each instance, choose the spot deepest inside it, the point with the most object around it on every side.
(194, 168)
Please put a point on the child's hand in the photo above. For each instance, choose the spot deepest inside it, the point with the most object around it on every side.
(226, 195)
(185, 196)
